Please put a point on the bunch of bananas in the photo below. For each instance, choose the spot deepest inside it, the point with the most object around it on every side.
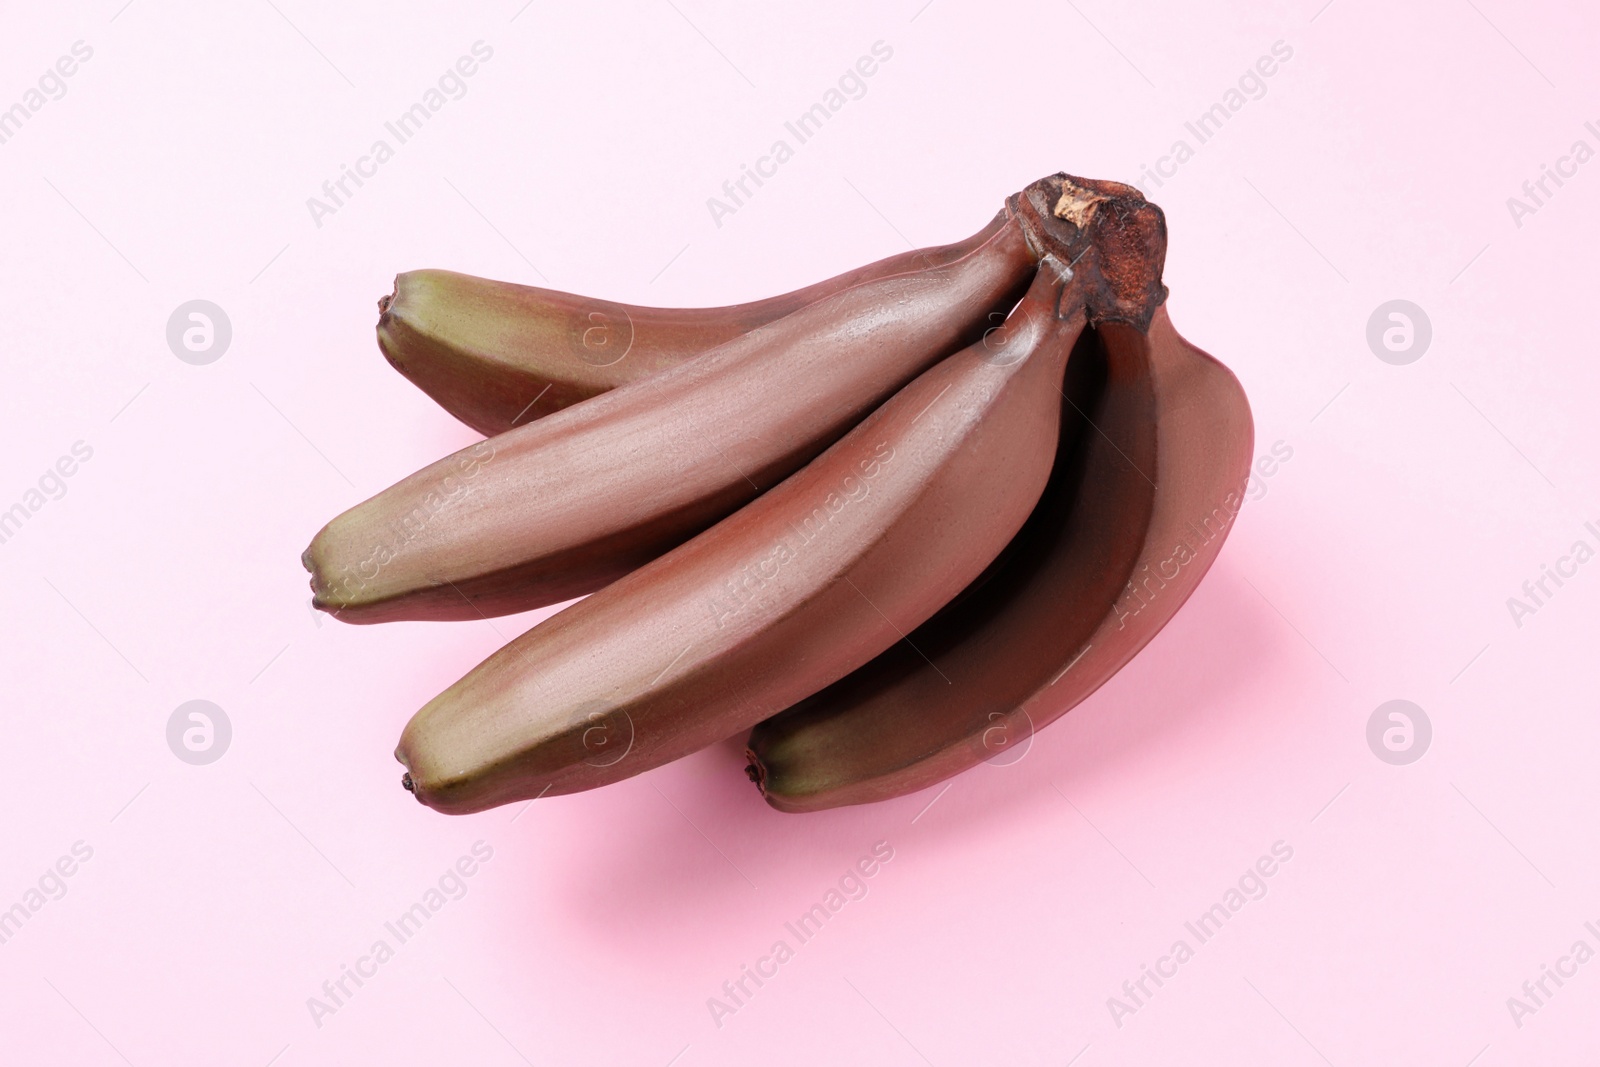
(893, 522)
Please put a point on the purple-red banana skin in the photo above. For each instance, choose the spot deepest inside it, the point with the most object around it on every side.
(497, 355)
(561, 507)
(1154, 452)
(791, 592)
(1151, 474)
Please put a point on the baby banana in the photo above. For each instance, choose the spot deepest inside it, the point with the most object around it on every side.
(793, 591)
(1156, 447)
(560, 507)
(497, 355)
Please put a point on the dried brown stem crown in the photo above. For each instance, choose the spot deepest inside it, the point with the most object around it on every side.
(1109, 234)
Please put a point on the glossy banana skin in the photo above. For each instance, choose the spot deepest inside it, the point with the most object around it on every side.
(793, 591)
(498, 355)
(561, 507)
(1139, 503)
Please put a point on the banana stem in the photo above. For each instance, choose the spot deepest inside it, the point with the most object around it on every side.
(1108, 233)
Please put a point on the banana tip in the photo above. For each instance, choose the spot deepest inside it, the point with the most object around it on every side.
(755, 771)
(322, 597)
(319, 587)
(386, 301)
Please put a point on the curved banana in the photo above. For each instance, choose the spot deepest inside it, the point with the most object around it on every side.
(1156, 447)
(793, 591)
(558, 508)
(497, 355)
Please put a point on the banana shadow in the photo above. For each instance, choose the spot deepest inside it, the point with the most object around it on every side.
(687, 861)
(1186, 690)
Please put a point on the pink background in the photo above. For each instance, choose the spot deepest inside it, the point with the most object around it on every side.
(1376, 566)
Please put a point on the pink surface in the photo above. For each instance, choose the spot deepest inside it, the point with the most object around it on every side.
(208, 904)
